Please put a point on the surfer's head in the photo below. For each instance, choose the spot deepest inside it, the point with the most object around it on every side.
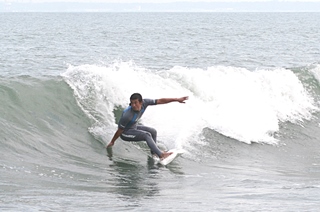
(136, 101)
(136, 96)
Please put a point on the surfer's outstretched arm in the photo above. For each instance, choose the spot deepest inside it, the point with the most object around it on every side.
(115, 137)
(168, 100)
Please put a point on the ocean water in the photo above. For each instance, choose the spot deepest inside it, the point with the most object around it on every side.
(250, 128)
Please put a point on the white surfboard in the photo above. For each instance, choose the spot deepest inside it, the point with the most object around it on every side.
(170, 158)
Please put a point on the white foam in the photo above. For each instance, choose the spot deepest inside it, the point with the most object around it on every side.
(236, 102)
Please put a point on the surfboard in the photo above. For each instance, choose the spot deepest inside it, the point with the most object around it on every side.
(170, 158)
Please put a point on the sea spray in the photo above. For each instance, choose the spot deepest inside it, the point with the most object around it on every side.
(245, 105)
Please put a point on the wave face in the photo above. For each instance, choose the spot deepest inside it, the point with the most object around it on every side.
(40, 121)
(56, 113)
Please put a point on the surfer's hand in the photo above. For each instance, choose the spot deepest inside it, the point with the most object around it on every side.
(115, 137)
(183, 99)
(110, 144)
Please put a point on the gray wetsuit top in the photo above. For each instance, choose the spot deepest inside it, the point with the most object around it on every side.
(129, 118)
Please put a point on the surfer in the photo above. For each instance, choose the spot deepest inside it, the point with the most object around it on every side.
(130, 130)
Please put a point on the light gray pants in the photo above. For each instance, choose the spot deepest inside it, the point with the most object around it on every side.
(143, 133)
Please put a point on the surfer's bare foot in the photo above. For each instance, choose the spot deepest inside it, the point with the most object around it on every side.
(165, 155)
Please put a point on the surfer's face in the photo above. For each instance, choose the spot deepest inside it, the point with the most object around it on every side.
(136, 105)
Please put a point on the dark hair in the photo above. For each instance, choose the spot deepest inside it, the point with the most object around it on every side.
(136, 96)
